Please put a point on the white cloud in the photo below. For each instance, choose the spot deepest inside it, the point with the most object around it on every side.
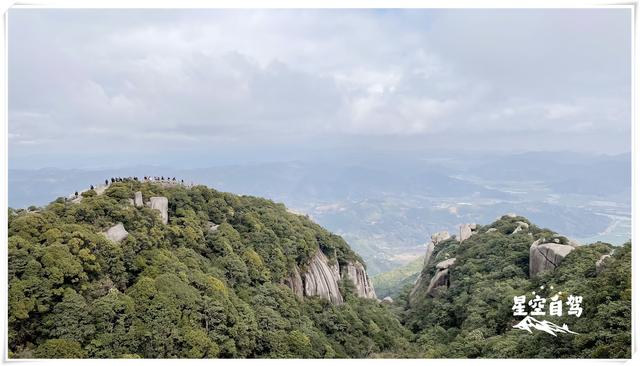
(561, 111)
(186, 78)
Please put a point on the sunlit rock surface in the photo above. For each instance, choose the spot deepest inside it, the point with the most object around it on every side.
(358, 275)
(546, 256)
(116, 233)
(321, 279)
(162, 205)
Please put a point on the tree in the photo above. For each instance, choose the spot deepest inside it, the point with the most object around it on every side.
(60, 348)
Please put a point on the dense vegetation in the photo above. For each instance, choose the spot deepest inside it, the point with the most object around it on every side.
(473, 317)
(180, 290)
(183, 290)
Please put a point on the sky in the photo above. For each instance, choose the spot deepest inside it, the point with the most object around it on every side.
(92, 88)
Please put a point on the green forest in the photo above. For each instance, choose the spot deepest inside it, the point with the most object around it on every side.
(182, 290)
(473, 317)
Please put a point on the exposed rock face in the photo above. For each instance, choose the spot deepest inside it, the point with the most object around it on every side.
(427, 256)
(446, 263)
(435, 239)
(439, 237)
(600, 263)
(387, 300)
(440, 281)
(294, 281)
(162, 205)
(358, 275)
(521, 226)
(211, 226)
(321, 279)
(492, 230)
(466, 230)
(116, 233)
(138, 199)
(546, 256)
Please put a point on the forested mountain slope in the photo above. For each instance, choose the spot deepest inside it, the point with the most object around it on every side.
(158, 269)
(103, 275)
(462, 303)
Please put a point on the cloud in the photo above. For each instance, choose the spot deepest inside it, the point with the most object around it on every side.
(184, 78)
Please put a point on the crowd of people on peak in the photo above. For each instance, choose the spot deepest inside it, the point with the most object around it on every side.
(161, 179)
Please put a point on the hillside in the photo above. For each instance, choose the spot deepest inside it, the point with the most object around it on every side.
(394, 200)
(391, 283)
(461, 305)
(157, 269)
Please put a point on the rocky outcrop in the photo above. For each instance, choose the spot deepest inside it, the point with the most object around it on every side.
(446, 263)
(358, 275)
(521, 226)
(427, 255)
(321, 279)
(387, 300)
(211, 226)
(491, 230)
(138, 199)
(116, 233)
(439, 237)
(162, 205)
(436, 239)
(440, 280)
(466, 230)
(546, 256)
(600, 263)
(294, 281)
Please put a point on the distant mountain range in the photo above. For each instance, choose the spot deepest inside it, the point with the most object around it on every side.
(387, 205)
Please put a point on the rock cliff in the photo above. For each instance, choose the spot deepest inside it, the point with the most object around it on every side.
(436, 239)
(294, 281)
(440, 280)
(321, 279)
(358, 275)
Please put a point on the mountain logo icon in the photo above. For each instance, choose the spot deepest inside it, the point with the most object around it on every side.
(530, 322)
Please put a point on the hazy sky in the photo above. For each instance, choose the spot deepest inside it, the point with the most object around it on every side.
(117, 87)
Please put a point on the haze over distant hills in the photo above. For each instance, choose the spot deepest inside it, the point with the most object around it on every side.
(386, 206)
(457, 118)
